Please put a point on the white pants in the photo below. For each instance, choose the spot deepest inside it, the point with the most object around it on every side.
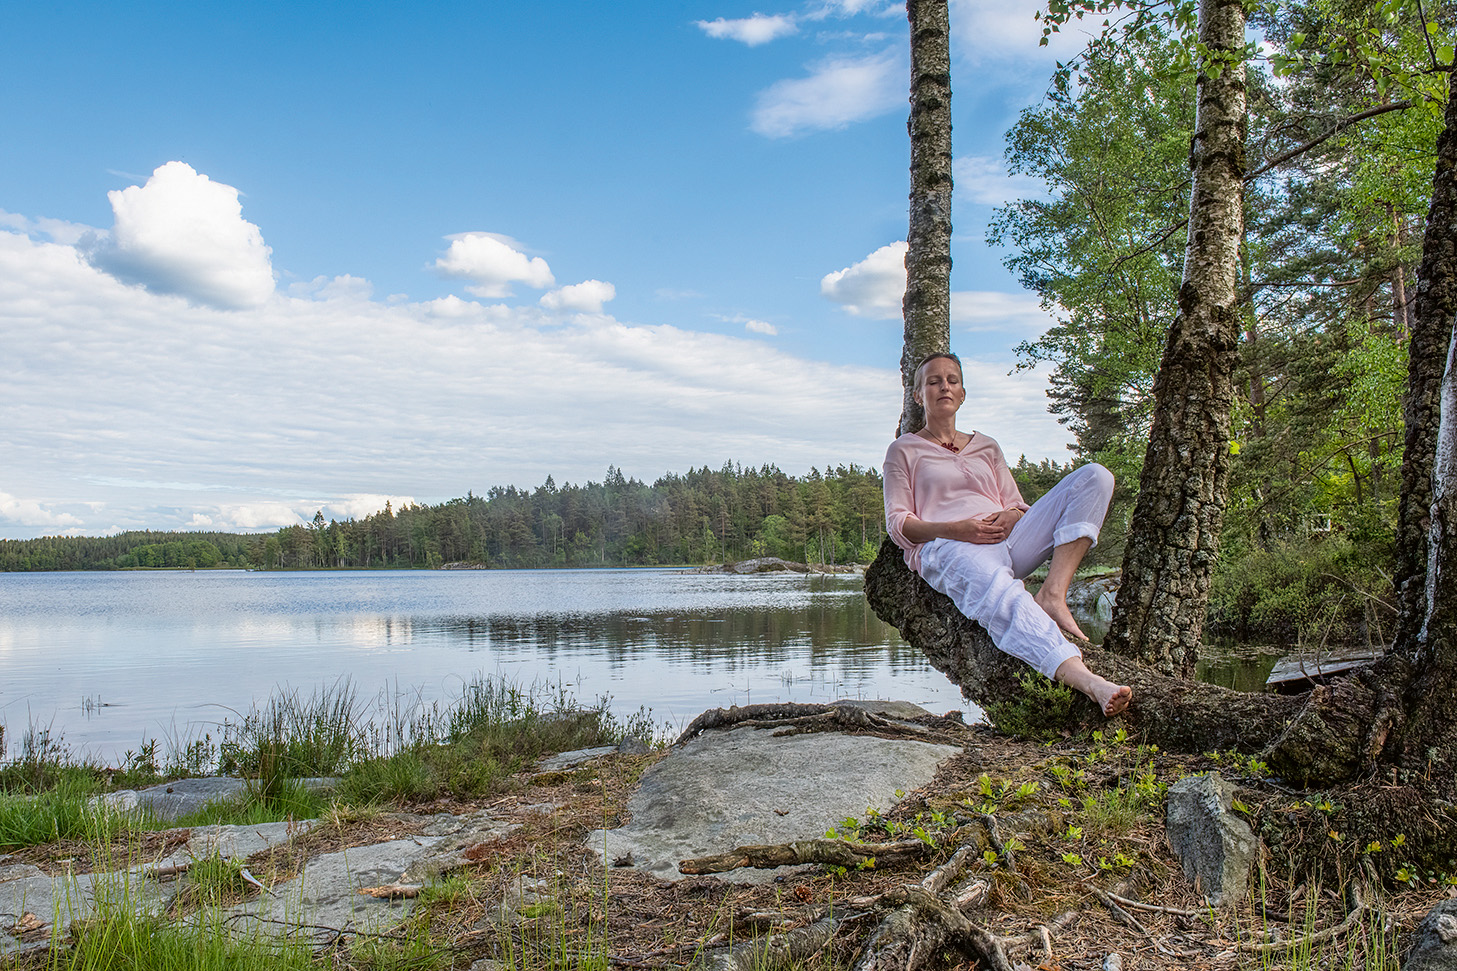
(984, 580)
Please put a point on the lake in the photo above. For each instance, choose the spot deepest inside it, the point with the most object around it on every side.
(109, 660)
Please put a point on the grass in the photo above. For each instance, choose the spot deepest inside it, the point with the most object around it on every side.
(124, 942)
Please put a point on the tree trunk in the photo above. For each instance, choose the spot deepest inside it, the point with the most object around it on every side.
(1174, 533)
(927, 302)
(1430, 334)
(1175, 713)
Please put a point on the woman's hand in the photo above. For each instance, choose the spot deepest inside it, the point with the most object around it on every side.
(985, 529)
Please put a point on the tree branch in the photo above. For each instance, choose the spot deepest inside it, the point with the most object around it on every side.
(1339, 126)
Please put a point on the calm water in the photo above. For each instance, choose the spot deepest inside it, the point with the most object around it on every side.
(111, 659)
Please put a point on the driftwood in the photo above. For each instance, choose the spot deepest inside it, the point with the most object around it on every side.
(825, 851)
(1171, 712)
(393, 891)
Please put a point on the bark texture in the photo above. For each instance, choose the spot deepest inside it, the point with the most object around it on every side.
(1431, 332)
(926, 306)
(1174, 713)
(1174, 536)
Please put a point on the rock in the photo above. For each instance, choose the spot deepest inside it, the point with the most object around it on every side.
(325, 897)
(633, 746)
(1434, 943)
(725, 789)
(237, 842)
(574, 758)
(1095, 595)
(173, 800)
(1216, 848)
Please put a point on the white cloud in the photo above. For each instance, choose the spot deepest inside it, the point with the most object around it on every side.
(57, 230)
(983, 179)
(1005, 31)
(761, 327)
(31, 512)
(586, 297)
(873, 287)
(343, 287)
(979, 310)
(493, 262)
(753, 31)
(183, 233)
(838, 92)
(161, 411)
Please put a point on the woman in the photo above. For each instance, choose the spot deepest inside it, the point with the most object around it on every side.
(952, 505)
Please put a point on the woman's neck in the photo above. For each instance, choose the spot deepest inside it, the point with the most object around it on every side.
(943, 430)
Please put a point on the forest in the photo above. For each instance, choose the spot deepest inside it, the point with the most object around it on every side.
(705, 516)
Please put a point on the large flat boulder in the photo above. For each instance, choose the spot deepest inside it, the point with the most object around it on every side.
(725, 789)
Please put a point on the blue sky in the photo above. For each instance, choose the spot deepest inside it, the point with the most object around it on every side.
(261, 259)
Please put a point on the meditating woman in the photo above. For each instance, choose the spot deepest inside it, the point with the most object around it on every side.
(952, 505)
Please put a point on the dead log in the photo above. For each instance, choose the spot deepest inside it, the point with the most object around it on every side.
(1175, 714)
(823, 851)
(773, 953)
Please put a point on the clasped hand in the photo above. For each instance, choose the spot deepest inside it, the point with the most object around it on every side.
(987, 529)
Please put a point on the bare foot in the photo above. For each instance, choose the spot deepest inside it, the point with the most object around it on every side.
(1112, 698)
(1056, 608)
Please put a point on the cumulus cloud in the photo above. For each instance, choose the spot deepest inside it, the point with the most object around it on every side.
(761, 327)
(983, 179)
(183, 233)
(493, 262)
(57, 230)
(753, 31)
(586, 297)
(873, 287)
(838, 92)
(342, 287)
(31, 512)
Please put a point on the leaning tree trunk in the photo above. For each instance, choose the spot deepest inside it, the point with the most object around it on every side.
(1435, 304)
(927, 302)
(1174, 533)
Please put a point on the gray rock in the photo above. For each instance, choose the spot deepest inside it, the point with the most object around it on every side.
(326, 898)
(237, 842)
(574, 758)
(1215, 847)
(173, 800)
(727, 789)
(632, 745)
(1434, 944)
(60, 900)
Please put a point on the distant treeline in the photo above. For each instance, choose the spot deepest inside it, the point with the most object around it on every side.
(705, 516)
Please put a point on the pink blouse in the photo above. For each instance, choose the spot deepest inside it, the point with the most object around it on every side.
(936, 485)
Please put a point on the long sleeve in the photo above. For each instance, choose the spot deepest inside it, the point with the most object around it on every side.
(899, 494)
(1011, 495)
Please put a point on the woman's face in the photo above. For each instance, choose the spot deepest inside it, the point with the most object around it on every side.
(941, 390)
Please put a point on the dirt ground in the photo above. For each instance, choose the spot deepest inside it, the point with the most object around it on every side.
(1076, 867)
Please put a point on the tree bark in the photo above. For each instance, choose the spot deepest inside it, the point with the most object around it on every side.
(1431, 332)
(926, 306)
(1174, 534)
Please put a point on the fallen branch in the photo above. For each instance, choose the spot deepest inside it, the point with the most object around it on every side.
(774, 952)
(393, 891)
(784, 714)
(1358, 907)
(825, 851)
(1153, 908)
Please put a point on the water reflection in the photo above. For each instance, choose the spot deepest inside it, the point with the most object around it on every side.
(113, 659)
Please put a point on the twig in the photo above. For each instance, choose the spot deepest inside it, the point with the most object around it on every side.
(1263, 947)
(1118, 912)
(1152, 908)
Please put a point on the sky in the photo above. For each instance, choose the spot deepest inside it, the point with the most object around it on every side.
(263, 259)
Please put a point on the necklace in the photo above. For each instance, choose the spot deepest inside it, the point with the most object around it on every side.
(949, 446)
